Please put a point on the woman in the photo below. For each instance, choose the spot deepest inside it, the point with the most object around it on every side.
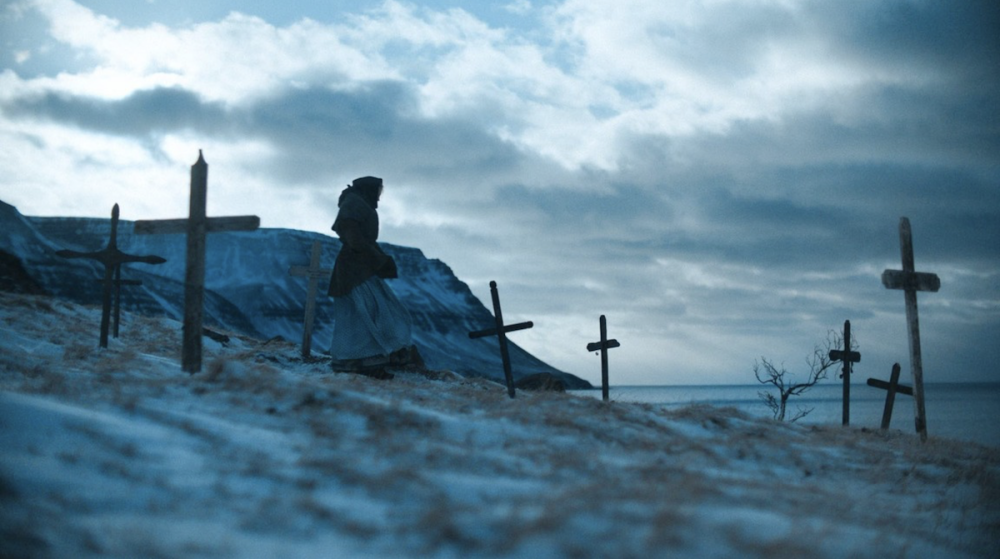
(371, 327)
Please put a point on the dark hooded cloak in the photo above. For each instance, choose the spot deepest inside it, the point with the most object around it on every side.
(357, 226)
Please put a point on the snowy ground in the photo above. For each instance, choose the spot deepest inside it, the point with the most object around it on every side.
(116, 453)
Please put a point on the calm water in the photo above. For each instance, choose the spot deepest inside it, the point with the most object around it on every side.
(960, 411)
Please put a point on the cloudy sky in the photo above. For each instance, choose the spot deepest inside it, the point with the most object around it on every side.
(722, 179)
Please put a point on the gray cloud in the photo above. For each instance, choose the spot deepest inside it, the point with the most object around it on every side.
(142, 114)
(960, 38)
(773, 228)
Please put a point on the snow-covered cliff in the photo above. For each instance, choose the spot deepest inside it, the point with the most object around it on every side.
(249, 288)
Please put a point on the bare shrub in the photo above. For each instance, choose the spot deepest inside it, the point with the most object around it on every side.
(819, 362)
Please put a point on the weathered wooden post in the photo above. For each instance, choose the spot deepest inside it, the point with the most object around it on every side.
(500, 331)
(119, 282)
(603, 346)
(848, 357)
(112, 258)
(891, 388)
(314, 273)
(910, 282)
(197, 225)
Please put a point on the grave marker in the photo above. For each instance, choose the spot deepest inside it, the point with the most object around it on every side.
(910, 282)
(848, 357)
(603, 346)
(891, 388)
(119, 282)
(314, 273)
(112, 258)
(196, 226)
(500, 331)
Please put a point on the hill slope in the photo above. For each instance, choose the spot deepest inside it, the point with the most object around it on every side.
(115, 453)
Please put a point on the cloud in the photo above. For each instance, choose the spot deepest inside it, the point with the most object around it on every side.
(141, 114)
(723, 178)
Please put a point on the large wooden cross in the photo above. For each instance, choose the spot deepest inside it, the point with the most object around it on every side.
(603, 346)
(500, 331)
(891, 388)
(196, 226)
(314, 273)
(910, 282)
(848, 357)
(112, 258)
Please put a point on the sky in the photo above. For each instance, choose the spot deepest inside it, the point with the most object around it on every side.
(723, 180)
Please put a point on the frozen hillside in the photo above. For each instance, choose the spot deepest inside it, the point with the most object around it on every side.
(249, 288)
(116, 453)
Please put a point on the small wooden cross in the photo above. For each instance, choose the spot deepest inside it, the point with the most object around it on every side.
(196, 226)
(314, 273)
(500, 331)
(891, 388)
(910, 282)
(112, 258)
(603, 346)
(848, 357)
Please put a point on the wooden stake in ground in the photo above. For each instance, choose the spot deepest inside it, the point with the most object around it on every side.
(197, 225)
(500, 331)
(910, 282)
(118, 283)
(314, 273)
(112, 258)
(891, 388)
(848, 357)
(603, 346)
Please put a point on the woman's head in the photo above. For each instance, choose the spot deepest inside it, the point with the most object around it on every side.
(370, 189)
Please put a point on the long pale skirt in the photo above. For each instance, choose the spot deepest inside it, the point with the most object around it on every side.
(369, 321)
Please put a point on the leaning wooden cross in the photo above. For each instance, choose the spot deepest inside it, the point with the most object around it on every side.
(910, 282)
(848, 357)
(197, 225)
(603, 346)
(112, 258)
(314, 273)
(891, 388)
(500, 331)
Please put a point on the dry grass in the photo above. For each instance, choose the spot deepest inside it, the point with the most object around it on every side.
(453, 464)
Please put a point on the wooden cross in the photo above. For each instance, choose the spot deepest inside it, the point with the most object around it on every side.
(910, 282)
(500, 331)
(196, 226)
(603, 346)
(314, 273)
(112, 258)
(848, 357)
(891, 388)
(119, 282)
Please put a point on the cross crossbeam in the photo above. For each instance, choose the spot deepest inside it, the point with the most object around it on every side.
(196, 227)
(500, 330)
(112, 258)
(603, 346)
(848, 357)
(313, 273)
(910, 281)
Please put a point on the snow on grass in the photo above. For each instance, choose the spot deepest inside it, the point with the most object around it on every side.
(117, 453)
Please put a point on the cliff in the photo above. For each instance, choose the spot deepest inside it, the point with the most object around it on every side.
(248, 288)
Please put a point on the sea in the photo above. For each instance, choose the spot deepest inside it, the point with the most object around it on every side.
(964, 411)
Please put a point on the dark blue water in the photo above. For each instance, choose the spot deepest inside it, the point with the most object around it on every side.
(958, 411)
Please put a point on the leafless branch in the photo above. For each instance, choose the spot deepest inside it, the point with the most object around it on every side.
(819, 363)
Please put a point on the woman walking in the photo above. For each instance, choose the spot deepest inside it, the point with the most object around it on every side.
(371, 327)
